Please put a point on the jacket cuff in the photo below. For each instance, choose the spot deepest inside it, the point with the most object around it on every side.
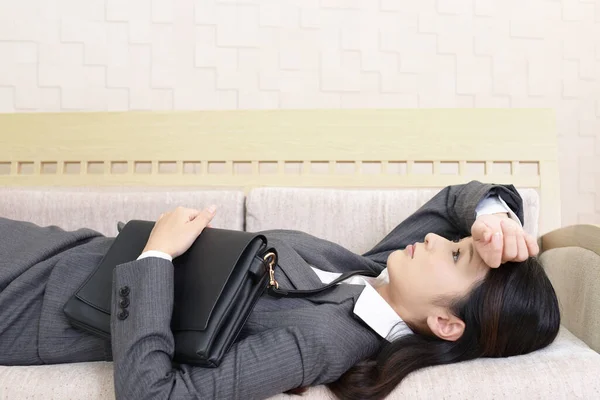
(142, 302)
(463, 201)
(155, 253)
(495, 204)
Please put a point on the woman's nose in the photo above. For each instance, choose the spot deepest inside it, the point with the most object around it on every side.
(428, 241)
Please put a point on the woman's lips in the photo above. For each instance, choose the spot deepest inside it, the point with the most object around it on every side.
(410, 249)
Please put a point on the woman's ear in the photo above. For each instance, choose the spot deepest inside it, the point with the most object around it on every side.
(446, 326)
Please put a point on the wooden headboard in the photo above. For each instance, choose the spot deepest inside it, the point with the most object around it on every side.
(320, 148)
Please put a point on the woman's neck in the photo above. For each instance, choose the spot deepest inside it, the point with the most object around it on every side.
(384, 292)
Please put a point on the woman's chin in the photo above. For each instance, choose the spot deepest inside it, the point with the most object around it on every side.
(396, 258)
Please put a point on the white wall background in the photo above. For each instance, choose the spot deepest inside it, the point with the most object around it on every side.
(76, 55)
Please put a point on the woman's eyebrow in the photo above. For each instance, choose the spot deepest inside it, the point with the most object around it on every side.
(470, 252)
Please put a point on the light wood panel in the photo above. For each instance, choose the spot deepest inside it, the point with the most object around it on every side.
(322, 148)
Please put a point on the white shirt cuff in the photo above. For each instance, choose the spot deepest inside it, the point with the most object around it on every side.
(155, 253)
(495, 204)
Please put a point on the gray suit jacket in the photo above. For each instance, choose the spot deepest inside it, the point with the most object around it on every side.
(286, 343)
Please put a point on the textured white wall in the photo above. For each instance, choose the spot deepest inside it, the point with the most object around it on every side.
(65, 55)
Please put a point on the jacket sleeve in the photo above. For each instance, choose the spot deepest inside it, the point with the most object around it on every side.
(258, 366)
(450, 214)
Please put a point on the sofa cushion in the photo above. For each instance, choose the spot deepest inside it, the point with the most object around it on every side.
(575, 275)
(565, 369)
(356, 219)
(101, 208)
(90, 381)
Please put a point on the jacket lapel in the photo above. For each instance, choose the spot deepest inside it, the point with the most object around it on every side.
(294, 267)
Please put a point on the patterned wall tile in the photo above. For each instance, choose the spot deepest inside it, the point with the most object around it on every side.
(221, 54)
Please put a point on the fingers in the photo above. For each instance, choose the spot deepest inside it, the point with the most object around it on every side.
(511, 248)
(487, 236)
(205, 216)
(488, 245)
(476, 229)
(532, 245)
(482, 231)
(522, 251)
(494, 258)
(500, 240)
(518, 245)
(192, 214)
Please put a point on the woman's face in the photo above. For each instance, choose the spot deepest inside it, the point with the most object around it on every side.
(424, 273)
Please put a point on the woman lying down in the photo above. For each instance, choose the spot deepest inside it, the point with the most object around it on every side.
(456, 280)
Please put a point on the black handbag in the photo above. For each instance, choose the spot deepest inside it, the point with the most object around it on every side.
(217, 282)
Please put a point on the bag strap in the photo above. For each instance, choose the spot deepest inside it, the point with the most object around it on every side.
(276, 291)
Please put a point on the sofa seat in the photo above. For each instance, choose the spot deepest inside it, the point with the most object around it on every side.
(566, 369)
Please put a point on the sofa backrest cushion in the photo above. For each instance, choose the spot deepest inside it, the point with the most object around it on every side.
(356, 219)
(101, 208)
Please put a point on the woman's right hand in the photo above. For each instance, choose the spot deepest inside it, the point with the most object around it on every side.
(499, 239)
(175, 231)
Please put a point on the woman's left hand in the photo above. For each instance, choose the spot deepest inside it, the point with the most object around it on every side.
(499, 239)
(175, 231)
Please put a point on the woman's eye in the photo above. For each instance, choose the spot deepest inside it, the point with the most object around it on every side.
(456, 255)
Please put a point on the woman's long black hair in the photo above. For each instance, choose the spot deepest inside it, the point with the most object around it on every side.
(513, 310)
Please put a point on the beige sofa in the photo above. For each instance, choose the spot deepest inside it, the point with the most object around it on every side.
(357, 219)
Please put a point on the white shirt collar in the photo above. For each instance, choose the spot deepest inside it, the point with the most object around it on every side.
(370, 306)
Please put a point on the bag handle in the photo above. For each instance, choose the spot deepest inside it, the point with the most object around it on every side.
(275, 291)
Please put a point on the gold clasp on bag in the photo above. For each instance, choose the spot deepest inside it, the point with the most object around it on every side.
(270, 259)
